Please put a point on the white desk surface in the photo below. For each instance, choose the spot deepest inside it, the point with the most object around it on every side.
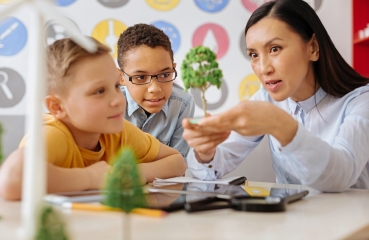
(317, 216)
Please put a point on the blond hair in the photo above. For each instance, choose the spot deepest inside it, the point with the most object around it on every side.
(61, 56)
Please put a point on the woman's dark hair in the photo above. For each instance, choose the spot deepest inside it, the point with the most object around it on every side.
(334, 75)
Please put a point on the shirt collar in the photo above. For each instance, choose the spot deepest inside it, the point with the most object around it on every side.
(309, 103)
(132, 106)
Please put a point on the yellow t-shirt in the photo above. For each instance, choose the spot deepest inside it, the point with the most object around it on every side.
(61, 149)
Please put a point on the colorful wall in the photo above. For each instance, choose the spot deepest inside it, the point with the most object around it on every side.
(218, 24)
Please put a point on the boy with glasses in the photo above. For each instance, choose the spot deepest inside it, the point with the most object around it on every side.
(155, 103)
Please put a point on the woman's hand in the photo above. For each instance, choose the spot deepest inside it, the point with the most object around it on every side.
(252, 118)
(204, 142)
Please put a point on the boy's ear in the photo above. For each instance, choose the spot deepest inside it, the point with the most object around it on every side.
(54, 105)
(314, 46)
(174, 65)
(121, 77)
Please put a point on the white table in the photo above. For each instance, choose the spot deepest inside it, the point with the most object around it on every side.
(317, 216)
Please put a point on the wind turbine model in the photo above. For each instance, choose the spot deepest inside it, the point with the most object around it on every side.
(34, 167)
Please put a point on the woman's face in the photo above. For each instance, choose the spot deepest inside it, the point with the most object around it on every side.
(282, 60)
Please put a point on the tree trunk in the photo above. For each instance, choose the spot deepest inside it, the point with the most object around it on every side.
(203, 100)
(126, 226)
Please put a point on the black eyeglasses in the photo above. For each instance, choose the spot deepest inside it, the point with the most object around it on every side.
(146, 79)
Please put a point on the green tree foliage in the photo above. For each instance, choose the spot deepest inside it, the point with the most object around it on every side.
(200, 70)
(51, 226)
(123, 188)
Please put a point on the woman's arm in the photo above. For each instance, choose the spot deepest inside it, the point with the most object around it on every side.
(253, 118)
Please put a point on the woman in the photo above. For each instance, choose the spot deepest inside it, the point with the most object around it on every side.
(312, 104)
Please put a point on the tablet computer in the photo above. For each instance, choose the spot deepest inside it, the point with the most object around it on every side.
(197, 197)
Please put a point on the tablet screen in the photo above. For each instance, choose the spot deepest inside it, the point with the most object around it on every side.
(175, 196)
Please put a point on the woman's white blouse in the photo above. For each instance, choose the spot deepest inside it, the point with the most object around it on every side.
(329, 152)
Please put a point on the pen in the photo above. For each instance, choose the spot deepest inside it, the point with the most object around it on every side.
(92, 207)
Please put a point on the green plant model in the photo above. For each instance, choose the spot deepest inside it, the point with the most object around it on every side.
(200, 70)
(123, 188)
(51, 225)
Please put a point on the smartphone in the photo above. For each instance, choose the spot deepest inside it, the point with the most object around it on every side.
(276, 202)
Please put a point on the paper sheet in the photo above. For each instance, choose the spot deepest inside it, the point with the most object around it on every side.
(226, 180)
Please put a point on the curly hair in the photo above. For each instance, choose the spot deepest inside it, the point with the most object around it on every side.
(141, 34)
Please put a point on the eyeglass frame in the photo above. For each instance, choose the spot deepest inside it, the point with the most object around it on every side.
(151, 76)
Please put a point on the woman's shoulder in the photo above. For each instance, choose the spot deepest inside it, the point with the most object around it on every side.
(360, 94)
(361, 90)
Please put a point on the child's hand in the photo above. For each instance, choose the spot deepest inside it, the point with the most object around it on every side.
(96, 174)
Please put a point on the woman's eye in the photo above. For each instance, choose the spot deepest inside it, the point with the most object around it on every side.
(253, 55)
(274, 49)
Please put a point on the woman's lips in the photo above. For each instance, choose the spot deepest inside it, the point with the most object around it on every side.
(273, 85)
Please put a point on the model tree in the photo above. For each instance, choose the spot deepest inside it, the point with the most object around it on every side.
(200, 70)
(123, 187)
(51, 225)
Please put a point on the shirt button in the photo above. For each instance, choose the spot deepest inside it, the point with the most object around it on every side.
(280, 149)
(210, 166)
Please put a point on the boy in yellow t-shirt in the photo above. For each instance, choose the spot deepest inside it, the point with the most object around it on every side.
(85, 127)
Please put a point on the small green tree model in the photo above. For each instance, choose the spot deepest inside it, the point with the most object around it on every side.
(51, 225)
(200, 70)
(123, 188)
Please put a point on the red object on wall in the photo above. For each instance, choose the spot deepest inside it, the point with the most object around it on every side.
(360, 49)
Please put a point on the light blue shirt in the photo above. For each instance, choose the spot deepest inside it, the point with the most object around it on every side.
(165, 125)
(329, 152)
